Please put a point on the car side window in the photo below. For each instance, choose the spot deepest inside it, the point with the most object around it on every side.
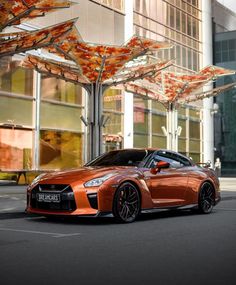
(157, 158)
(175, 160)
(182, 160)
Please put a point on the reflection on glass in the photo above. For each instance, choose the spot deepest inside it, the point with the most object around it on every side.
(157, 122)
(15, 79)
(195, 157)
(158, 141)
(182, 124)
(15, 111)
(182, 145)
(60, 117)
(60, 150)
(113, 124)
(60, 90)
(112, 100)
(140, 140)
(194, 130)
(140, 120)
(113, 110)
(15, 149)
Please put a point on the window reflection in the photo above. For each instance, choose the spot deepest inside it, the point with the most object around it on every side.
(15, 79)
(113, 111)
(140, 115)
(15, 149)
(174, 23)
(61, 91)
(57, 116)
(60, 149)
(114, 4)
(10, 111)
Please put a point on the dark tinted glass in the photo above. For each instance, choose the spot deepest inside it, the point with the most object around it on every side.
(120, 158)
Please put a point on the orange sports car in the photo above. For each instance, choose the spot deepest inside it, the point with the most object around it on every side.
(125, 183)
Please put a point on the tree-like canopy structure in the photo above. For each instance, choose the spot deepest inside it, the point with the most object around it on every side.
(102, 64)
(97, 67)
(14, 12)
(13, 43)
(174, 88)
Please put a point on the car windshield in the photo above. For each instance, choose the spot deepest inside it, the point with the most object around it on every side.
(129, 157)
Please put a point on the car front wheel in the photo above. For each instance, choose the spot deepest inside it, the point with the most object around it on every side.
(126, 204)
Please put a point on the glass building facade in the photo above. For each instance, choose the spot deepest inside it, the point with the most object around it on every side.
(225, 120)
(179, 22)
(40, 126)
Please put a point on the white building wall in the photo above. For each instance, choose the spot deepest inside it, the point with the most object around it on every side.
(128, 97)
(207, 59)
(224, 18)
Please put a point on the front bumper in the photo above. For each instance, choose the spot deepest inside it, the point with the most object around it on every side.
(71, 201)
(77, 212)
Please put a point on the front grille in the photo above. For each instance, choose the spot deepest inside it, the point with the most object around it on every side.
(65, 192)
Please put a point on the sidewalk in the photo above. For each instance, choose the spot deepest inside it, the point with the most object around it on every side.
(227, 183)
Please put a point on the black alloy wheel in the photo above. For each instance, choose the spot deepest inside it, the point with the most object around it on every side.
(126, 204)
(206, 198)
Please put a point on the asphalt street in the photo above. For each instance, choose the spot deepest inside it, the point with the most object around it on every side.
(162, 248)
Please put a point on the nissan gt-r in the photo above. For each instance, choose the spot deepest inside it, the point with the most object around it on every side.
(124, 184)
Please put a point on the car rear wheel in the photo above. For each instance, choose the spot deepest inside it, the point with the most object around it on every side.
(206, 198)
(126, 204)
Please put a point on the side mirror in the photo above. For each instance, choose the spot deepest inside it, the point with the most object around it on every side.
(159, 166)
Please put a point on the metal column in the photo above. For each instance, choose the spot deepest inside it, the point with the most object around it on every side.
(95, 119)
(172, 128)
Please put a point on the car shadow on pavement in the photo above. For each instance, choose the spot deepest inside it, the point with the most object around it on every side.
(101, 221)
(12, 215)
(73, 220)
(164, 214)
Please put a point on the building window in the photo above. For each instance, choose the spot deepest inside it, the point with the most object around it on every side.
(113, 4)
(16, 111)
(15, 79)
(63, 117)
(59, 90)
(114, 116)
(15, 149)
(60, 149)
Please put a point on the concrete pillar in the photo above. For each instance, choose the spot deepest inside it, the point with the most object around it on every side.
(172, 129)
(207, 58)
(36, 111)
(128, 97)
(95, 119)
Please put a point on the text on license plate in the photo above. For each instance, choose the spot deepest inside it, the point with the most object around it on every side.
(47, 197)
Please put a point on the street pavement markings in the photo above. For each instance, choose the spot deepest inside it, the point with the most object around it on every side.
(54, 235)
(226, 209)
(6, 210)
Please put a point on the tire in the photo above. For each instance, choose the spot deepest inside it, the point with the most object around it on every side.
(206, 198)
(126, 203)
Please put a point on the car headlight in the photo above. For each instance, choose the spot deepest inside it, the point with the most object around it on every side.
(98, 181)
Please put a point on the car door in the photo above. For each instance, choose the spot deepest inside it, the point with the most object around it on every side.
(167, 187)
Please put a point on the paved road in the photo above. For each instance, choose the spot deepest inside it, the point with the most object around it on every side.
(164, 248)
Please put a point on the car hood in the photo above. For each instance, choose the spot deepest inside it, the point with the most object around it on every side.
(82, 174)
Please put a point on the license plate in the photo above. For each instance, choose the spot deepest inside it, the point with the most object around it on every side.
(48, 198)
